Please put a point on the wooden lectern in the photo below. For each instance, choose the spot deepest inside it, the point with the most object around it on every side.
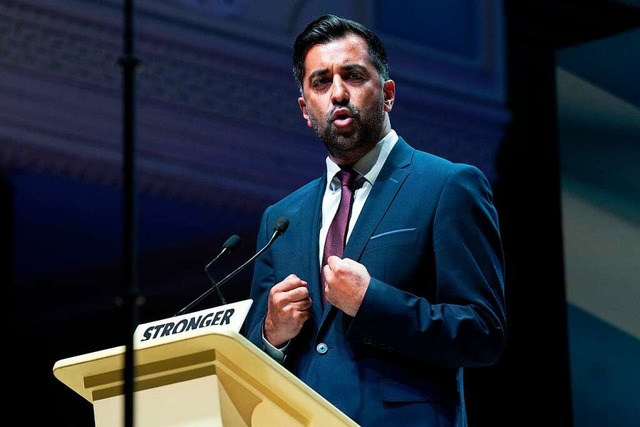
(210, 376)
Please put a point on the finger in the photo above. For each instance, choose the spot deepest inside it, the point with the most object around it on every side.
(289, 283)
(333, 260)
(302, 305)
(302, 316)
(298, 294)
(337, 264)
(327, 273)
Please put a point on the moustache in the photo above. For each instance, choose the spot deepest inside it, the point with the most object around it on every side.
(353, 112)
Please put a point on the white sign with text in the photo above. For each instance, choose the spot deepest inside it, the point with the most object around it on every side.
(225, 317)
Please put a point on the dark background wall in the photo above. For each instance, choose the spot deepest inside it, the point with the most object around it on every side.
(598, 130)
(219, 137)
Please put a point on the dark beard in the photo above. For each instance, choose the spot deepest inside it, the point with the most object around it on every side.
(367, 132)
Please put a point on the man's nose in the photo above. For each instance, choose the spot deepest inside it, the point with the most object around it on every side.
(340, 92)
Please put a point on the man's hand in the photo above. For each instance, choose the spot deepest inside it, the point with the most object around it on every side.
(287, 310)
(346, 282)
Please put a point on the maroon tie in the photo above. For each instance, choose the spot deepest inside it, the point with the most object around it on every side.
(336, 236)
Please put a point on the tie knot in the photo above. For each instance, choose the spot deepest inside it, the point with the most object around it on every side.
(347, 176)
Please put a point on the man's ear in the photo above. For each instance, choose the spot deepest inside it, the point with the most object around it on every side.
(389, 88)
(303, 107)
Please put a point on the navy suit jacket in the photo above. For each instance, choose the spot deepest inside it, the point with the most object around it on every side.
(428, 235)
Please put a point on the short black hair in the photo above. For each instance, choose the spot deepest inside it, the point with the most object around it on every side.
(327, 28)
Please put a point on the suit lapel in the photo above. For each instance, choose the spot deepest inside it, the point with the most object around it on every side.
(383, 192)
(309, 242)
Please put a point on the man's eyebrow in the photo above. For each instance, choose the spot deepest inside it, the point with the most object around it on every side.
(352, 67)
(347, 67)
(318, 73)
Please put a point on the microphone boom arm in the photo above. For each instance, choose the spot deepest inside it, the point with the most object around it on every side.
(278, 231)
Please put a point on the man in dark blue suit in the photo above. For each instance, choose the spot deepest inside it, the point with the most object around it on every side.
(384, 331)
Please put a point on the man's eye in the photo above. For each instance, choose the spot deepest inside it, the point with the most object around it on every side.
(355, 76)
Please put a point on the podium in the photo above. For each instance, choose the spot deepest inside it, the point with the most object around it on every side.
(210, 376)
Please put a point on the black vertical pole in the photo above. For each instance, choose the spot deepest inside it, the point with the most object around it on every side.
(130, 297)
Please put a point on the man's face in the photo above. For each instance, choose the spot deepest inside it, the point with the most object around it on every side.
(344, 100)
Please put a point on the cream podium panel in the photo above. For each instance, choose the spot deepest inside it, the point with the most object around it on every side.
(197, 370)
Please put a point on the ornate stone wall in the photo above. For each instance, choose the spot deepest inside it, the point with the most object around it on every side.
(216, 115)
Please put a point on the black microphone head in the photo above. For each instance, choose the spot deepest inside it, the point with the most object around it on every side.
(232, 243)
(281, 225)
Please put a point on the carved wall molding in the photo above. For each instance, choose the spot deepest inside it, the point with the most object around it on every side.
(217, 118)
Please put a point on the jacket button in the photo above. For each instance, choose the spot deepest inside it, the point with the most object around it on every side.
(322, 348)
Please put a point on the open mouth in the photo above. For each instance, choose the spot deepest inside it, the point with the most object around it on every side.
(342, 117)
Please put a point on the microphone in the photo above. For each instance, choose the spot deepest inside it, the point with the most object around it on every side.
(278, 230)
(229, 246)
